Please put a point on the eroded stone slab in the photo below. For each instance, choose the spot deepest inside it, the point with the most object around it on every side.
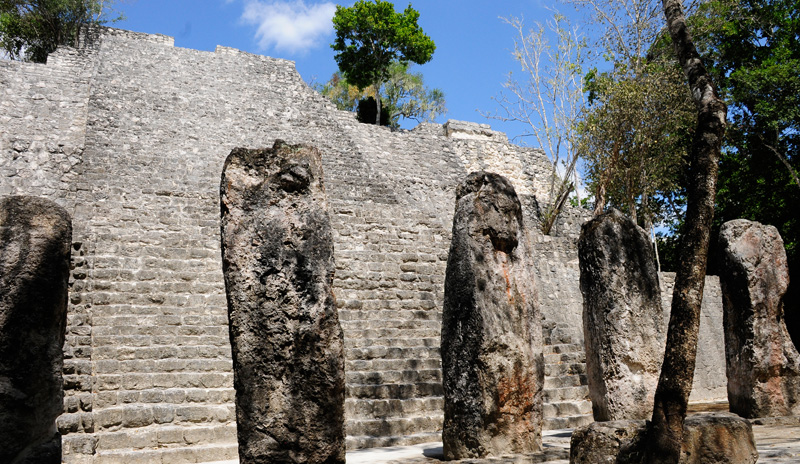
(492, 360)
(763, 365)
(623, 319)
(35, 240)
(716, 438)
(287, 343)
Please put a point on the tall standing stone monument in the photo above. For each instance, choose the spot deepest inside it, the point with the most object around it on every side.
(763, 365)
(35, 241)
(623, 320)
(491, 327)
(288, 353)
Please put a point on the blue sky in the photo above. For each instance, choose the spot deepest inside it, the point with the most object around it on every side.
(473, 45)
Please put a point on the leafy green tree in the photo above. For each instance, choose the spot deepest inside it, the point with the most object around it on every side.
(755, 57)
(32, 29)
(634, 138)
(750, 49)
(404, 96)
(370, 36)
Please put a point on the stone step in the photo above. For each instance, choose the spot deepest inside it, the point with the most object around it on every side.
(194, 454)
(561, 335)
(174, 396)
(134, 416)
(350, 326)
(394, 377)
(565, 381)
(560, 370)
(562, 348)
(392, 333)
(167, 436)
(364, 408)
(560, 358)
(346, 314)
(400, 342)
(361, 442)
(550, 395)
(379, 365)
(567, 422)
(392, 352)
(395, 426)
(395, 391)
(567, 408)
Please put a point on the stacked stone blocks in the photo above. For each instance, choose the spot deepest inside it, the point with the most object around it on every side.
(129, 134)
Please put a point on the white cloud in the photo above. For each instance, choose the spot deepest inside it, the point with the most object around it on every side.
(290, 26)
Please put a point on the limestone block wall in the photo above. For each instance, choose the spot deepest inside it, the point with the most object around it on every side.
(130, 133)
(710, 379)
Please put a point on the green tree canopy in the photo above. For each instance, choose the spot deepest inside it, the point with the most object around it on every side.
(404, 96)
(755, 58)
(750, 48)
(370, 36)
(32, 29)
(634, 139)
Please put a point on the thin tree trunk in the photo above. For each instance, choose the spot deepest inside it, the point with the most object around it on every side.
(677, 371)
(655, 247)
(378, 103)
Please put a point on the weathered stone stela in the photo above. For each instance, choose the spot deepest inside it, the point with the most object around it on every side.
(623, 320)
(491, 327)
(288, 355)
(35, 240)
(763, 365)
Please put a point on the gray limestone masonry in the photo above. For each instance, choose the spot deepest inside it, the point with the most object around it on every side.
(129, 134)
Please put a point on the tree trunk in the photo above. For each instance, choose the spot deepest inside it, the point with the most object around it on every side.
(677, 371)
(378, 103)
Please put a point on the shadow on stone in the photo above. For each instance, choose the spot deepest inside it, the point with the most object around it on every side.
(35, 241)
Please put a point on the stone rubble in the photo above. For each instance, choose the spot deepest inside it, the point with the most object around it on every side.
(712, 438)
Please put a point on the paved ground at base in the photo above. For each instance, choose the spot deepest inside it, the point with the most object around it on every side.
(777, 440)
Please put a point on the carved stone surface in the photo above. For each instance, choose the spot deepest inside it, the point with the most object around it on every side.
(716, 438)
(35, 240)
(491, 327)
(763, 365)
(623, 320)
(288, 354)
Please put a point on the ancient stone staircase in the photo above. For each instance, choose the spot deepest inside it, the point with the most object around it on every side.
(566, 393)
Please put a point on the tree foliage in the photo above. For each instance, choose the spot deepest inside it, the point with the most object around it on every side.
(750, 49)
(404, 96)
(370, 36)
(636, 130)
(547, 96)
(754, 55)
(634, 138)
(32, 29)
